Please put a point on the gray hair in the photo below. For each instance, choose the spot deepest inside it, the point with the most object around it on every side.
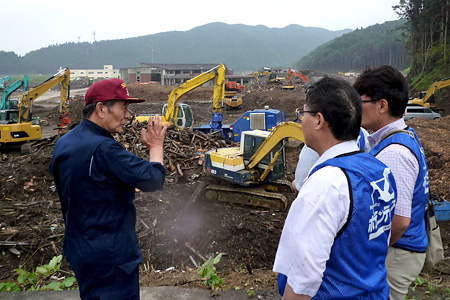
(90, 108)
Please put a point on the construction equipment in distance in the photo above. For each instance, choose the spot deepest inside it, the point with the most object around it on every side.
(426, 98)
(7, 104)
(273, 78)
(175, 112)
(180, 114)
(298, 74)
(5, 82)
(233, 86)
(232, 100)
(23, 128)
(255, 170)
(262, 119)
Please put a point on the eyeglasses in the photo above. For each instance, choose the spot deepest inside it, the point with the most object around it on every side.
(301, 112)
(363, 101)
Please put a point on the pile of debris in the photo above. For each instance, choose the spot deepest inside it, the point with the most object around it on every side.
(184, 149)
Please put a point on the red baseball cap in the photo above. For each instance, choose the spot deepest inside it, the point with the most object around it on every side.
(109, 89)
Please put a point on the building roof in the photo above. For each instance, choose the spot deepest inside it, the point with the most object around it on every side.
(205, 67)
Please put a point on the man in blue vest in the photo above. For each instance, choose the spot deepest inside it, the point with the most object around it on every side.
(335, 239)
(96, 180)
(384, 93)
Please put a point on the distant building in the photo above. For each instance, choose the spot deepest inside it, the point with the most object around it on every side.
(175, 74)
(279, 70)
(351, 74)
(93, 74)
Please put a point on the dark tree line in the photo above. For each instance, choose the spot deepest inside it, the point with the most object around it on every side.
(429, 38)
(372, 46)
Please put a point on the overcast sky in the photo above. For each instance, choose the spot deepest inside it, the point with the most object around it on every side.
(29, 25)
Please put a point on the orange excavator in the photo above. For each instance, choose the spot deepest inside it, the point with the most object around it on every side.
(299, 75)
(233, 86)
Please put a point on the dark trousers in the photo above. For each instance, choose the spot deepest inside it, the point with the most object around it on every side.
(116, 285)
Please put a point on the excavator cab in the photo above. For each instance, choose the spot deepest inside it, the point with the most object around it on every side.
(185, 118)
(251, 141)
(11, 114)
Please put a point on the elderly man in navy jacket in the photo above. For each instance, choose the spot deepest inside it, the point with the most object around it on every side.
(96, 179)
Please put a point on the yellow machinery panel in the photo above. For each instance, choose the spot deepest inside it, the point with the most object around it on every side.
(20, 132)
(228, 159)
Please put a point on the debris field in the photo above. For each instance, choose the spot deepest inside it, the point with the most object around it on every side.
(177, 229)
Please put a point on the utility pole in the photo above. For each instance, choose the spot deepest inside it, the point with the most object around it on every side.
(79, 39)
(94, 36)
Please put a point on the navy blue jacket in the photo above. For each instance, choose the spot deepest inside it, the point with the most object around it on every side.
(96, 179)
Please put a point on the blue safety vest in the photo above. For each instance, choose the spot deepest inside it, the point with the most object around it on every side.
(415, 238)
(358, 271)
(361, 140)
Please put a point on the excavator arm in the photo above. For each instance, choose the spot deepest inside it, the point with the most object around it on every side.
(299, 75)
(217, 73)
(285, 130)
(257, 74)
(272, 77)
(20, 83)
(4, 80)
(27, 98)
(427, 98)
(436, 86)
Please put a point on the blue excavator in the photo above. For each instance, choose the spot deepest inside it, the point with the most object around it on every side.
(20, 83)
(3, 82)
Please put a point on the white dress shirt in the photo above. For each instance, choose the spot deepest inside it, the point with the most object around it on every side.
(314, 219)
(308, 157)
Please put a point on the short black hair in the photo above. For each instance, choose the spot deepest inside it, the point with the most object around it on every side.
(340, 105)
(384, 82)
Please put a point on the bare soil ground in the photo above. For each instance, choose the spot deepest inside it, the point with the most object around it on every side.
(176, 234)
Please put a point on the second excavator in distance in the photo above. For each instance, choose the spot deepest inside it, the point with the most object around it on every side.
(295, 73)
(426, 98)
(180, 114)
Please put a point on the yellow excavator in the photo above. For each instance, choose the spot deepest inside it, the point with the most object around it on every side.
(180, 114)
(232, 100)
(255, 171)
(20, 125)
(272, 77)
(426, 98)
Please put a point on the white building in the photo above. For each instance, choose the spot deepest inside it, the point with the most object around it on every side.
(93, 74)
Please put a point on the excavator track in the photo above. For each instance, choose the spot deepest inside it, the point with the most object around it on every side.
(279, 186)
(246, 196)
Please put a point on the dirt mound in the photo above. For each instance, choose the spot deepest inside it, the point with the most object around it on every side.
(434, 135)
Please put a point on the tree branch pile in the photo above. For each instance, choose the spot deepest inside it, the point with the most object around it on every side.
(184, 149)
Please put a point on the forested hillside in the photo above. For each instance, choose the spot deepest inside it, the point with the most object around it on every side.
(428, 40)
(240, 47)
(354, 51)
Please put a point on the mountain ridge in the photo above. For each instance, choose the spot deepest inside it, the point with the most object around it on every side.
(241, 47)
